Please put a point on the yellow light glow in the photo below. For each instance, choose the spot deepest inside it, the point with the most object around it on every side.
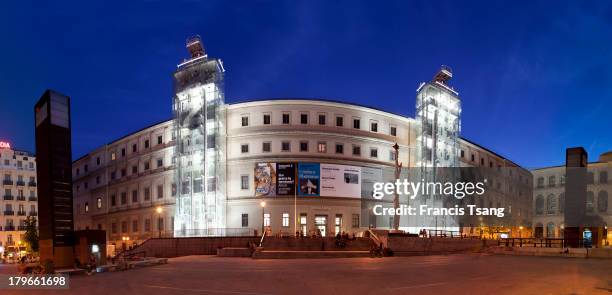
(262, 204)
(159, 209)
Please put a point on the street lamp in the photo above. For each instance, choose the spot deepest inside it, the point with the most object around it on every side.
(521, 231)
(159, 212)
(263, 208)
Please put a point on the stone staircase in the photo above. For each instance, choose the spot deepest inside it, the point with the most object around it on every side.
(324, 247)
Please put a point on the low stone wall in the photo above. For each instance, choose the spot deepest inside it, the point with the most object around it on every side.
(234, 252)
(404, 246)
(605, 253)
(175, 247)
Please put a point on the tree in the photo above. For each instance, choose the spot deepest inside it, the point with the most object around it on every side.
(31, 234)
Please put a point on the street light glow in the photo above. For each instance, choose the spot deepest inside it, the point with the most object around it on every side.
(262, 204)
(159, 209)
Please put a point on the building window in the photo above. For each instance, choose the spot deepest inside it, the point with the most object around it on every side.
(266, 119)
(473, 158)
(160, 162)
(245, 220)
(245, 121)
(86, 207)
(124, 227)
(147, 225)
(123, 152)
(392, 155)
(147, 165)
(356, 150)
(356, 124)
(551, 204)
(304, 119)
(98, 179)
(322, 147)
(551, 181)
(339, 121)
(160, 191)
(602, 201)
(173, 190)
(539, 205)
(147, 193)
(339, 148)
(113, 156)
(321, 119)
(286, 118)
(134, 196)
(393, 131)
(134, 169)
(123, 198)
(134, 148)
(540, 182)
(266, 147)
(160, 139)
(603, 177)
(146, 144)
(303, 146)
(373, 153)
(266, 219)
(286, 146)
(134, 225)
(590, 202)
(462, 154)
(114, 228)
(99, 203)
(244, 148)
(113, 175)
(244, 182)
(123, 172)
(98, 161)
(355, 220)
(285, 219)
(113, 200)
(374, 126)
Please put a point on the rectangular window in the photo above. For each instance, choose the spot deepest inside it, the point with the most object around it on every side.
(124, 227)
(113, 200)
(113, 156)
(160, 162)
(123, 152)
(174, 190)
(98, 161)
(244, 182)
(392, 155)
(285, 219)
(114, 228)
(135, 225)
(267, 119)
(123, 198)
(303, 146)
(339, 148)
(123, 172)
(134, 196)
(134, 169)
(356, 124)
(245, 220)
(147, 193)
(393, 131)
(355, 220)
(147, 225)
(160, 139)
(304, 119)
(286, 118)
(339, 121)
(356, 150)
(462, 154)
(373, 153)
(321, 119)
(146, 144)
(147, 166)
(160, 191)
(322, 147)
(134, 148)
(374, 126)
(244, 148)
(266, 147)
(266, 219)
(245, 121)
(286, 146)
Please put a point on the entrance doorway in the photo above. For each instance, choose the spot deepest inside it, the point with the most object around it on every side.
(321, 224)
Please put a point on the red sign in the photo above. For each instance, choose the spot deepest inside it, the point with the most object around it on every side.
(5, 145)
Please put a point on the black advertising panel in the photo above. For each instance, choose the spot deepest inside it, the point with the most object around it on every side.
(285, 185)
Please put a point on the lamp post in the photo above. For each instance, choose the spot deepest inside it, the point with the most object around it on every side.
(398, 170)
(521, 231)
(159, 212)
(263, 222)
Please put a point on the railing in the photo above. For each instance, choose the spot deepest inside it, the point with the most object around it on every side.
(9, 212)
(32, 198)
(9, 228)
(32, 183)
(21, 198)
(8, 197)
(440, 233)
(536, 242)
(33, 213)
(7, 182)
(21, 227)
(20, 183)
(21, 213)
(10, 243)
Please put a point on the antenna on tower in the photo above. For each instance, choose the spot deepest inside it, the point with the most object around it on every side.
(195, 47)
(443, 75)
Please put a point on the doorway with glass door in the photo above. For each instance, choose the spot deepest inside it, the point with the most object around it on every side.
(321, 224)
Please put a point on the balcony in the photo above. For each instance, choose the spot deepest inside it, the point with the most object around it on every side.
(9, 228)
(6, 212)
(32, 183)
(7, 182)
(21, 198)
(8, 197)
(20, 183)
(21, 213)
(33, 213)
(22, 227)
(32, 198)
(10, 243)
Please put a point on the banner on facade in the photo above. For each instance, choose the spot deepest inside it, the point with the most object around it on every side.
(309, 179)
(285, 182)
(265, 179)
(340, 181)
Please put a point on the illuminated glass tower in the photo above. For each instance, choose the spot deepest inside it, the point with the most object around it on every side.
(200, 144)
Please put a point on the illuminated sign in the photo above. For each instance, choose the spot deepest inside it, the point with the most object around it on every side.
(5, 145)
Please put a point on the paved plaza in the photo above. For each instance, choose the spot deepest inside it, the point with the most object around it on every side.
(452, 274)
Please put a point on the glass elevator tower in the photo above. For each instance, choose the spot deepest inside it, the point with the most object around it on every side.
(198, 106)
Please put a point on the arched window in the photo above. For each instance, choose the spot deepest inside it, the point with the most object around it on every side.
(550, 230)
(590, 202)
(602, 201)
(561, 202)
(551, 204)
(539, 205)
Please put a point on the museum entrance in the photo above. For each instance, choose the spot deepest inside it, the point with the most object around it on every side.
(321, 224)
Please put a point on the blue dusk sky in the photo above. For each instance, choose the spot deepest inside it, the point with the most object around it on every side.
(534, 77)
